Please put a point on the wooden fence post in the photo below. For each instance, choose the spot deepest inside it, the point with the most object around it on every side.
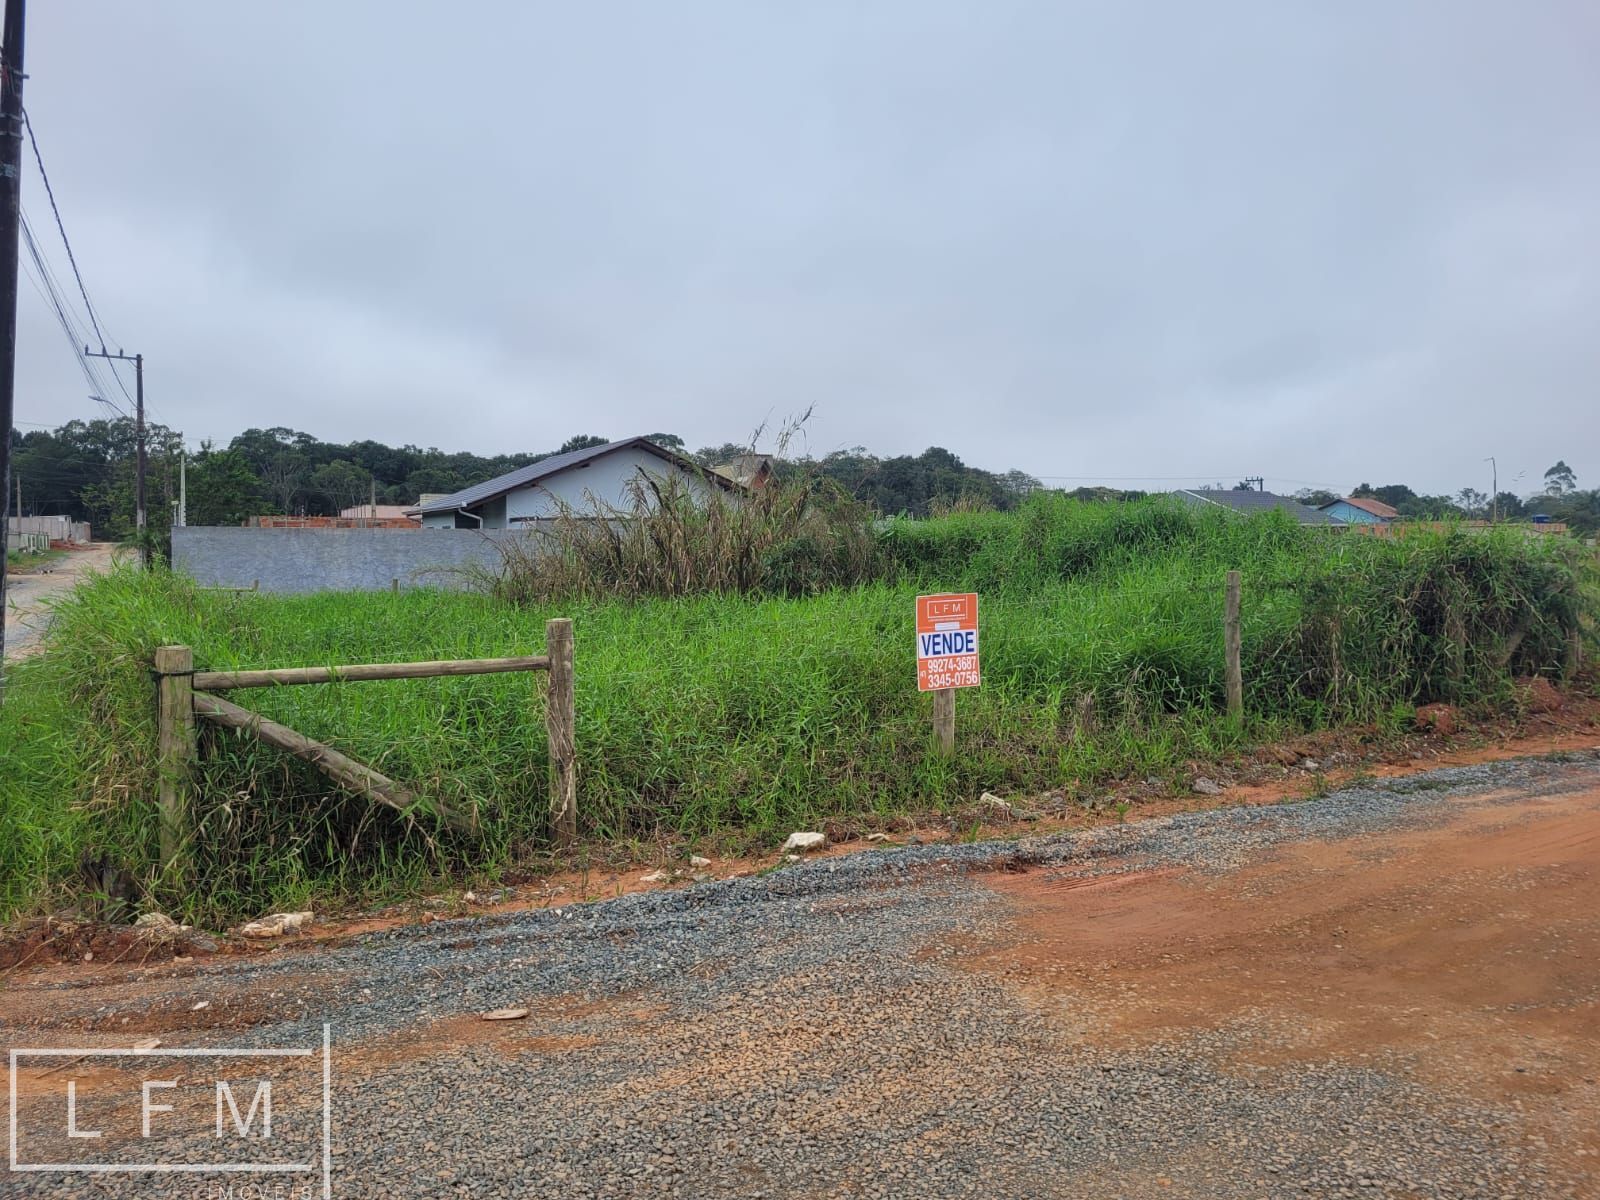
(1230, 645)
(561, 721)
(175, 749)
(944, 720)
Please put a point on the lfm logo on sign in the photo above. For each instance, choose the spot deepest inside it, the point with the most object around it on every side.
(947, 641)
(256, 1110)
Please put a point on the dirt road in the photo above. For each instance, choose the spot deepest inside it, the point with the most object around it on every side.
(1393, 990)
(26, 595)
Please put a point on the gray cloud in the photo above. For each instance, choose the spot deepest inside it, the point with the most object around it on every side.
(1319, 243)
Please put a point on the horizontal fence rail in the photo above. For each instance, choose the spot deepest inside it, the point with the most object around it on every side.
(217, 681)
(183, 695)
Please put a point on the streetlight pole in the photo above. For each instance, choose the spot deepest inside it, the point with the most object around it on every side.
(1494, 496)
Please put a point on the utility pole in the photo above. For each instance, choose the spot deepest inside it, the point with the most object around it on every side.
(183, 488)
(11, 78)
(138, 432)
(1494, 496)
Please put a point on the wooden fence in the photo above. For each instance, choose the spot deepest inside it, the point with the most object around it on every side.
(184, 697)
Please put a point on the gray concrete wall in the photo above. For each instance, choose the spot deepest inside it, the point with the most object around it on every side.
(334, 560)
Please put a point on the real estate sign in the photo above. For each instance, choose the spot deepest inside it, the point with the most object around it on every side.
(947, 641)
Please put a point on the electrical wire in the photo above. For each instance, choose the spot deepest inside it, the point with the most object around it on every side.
(56, 301)
(49, 191)
(44, 281)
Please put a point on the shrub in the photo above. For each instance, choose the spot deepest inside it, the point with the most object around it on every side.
(790, 538)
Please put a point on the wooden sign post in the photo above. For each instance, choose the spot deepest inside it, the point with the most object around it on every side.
(947, 657)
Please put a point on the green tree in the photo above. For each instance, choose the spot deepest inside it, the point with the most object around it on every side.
(1429, 508)
(283, 478)
(716, 456)
(1473, 502)
(1507, 506)
(581, 441)
(1560, 479)
(1315, 497)
(1019, 484)
(342, 485)
(1395, 495)
(223, 490)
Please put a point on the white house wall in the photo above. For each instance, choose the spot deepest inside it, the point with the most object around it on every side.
(605, 479)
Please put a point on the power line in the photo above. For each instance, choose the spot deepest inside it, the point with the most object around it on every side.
(62, 229)
(77, 275)
(49, 289)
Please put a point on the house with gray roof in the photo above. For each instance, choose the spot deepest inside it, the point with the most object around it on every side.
(1248, 502)
(595, 479)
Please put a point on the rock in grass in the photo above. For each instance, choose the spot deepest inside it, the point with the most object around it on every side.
(156, 924)
(1207, 787)
(277, 925)
(656, 877)
(699, 863)
(802, 842)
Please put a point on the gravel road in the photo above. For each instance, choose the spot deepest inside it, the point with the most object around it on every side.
(1387, 991)
(27, 596)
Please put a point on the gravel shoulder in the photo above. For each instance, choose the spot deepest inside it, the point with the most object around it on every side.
(1390, 990)
(28, 596)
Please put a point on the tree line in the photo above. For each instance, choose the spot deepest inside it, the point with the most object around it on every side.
(85, 470)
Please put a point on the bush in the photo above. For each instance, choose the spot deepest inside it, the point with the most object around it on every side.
(790, 538)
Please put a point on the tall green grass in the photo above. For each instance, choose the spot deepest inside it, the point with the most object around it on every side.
(704, 714)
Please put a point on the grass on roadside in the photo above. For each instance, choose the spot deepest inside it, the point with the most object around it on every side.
(742, 714)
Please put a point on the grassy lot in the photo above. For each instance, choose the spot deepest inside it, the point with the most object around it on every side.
(752, 714)
(18, 562)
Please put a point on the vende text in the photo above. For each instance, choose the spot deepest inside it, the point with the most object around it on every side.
(946, 642)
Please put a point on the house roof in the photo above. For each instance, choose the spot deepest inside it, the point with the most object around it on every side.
(746, 468)
(1248, 501)
(1367, 504)
(556, 463)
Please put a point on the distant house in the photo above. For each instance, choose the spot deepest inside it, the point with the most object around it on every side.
(1248, 501)
(1361, 510)
(376, 512)
(751, 470)
(596, 477)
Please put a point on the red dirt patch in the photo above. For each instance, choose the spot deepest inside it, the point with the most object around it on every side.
(1441, 719)
(1464, 952)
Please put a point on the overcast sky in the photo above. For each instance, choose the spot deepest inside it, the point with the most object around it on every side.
(1323, 243)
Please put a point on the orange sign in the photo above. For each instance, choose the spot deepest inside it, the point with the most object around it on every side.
(947, 641)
